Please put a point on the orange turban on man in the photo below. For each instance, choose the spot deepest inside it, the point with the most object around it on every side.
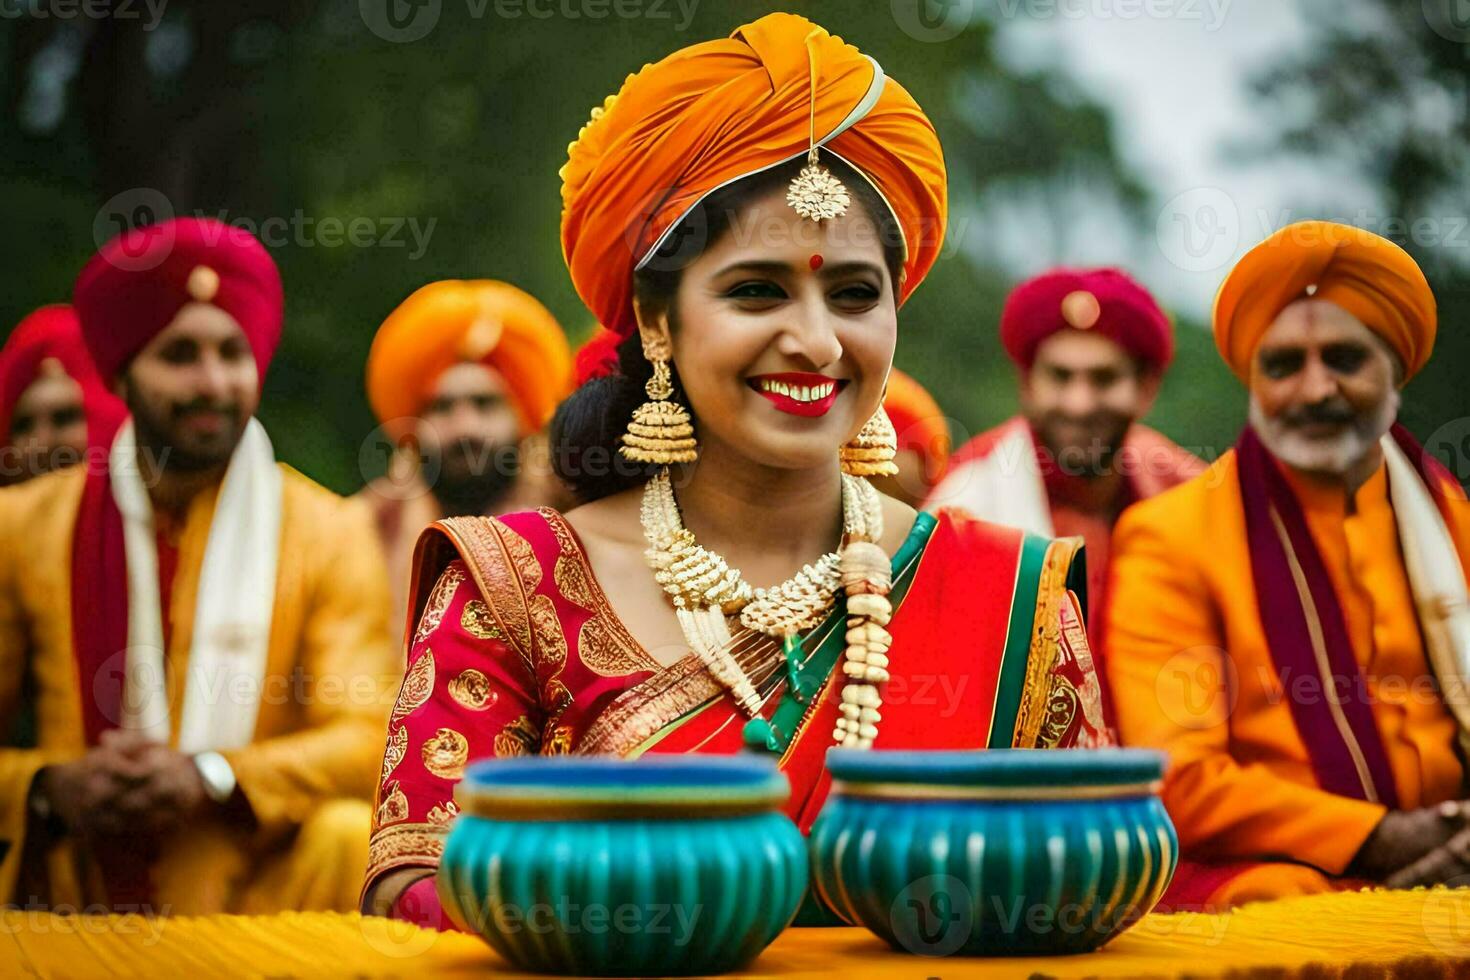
(1365, 274)
(445, 323)
(720, 110)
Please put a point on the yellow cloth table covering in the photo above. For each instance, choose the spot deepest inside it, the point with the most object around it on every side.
(1418, 933)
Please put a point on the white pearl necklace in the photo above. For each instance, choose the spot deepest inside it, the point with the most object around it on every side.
(705, 590)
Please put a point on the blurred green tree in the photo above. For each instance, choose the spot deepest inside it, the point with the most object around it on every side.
(297, 119)
(1385, 88)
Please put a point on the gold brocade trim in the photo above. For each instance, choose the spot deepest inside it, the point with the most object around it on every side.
(439, 600)
(522, 555)
(471, 690)
(420, 844)
(609, 630)
(418, 685)
(393, 809)
(601, 652)
(551, 642)
(1046, 640)
(1074, 638)
(446, 753)
(443, 813)
(477, 621)
(479, 542)
(520, 737)
(393, 754)
(1061, 710)
(571, 580)
(559, 742)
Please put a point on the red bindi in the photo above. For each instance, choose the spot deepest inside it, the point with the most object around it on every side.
(815, 261)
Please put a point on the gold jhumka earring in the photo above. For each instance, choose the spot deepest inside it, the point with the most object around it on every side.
(660, 431)
(871, 452)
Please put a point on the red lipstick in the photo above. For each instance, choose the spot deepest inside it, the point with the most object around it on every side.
(799, 392)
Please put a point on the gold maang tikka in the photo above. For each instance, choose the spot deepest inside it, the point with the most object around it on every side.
(816, 193)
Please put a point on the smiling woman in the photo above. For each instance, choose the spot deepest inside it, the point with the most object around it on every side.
(747, 215)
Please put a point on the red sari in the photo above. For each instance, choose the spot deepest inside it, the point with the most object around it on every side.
(516, 650)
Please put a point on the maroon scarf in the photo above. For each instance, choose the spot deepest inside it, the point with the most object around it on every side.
(99, 602)
(1294, 592)
(99, 625)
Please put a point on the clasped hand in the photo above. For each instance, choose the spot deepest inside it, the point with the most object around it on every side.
(126, 784)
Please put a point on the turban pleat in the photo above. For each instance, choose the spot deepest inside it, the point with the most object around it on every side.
(1108, 302)
(137, 283)
(720, 110)
(52, 332)
(448, 322)
(1365, 274)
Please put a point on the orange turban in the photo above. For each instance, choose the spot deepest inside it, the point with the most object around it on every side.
(1365, 274)
(919, 422)
(720, 110)
(445, 323)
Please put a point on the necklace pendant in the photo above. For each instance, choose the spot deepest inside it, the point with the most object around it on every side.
(760, 735)
(791, 650)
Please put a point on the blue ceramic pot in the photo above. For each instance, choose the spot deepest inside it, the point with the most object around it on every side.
(661, 866)
(1001, 853)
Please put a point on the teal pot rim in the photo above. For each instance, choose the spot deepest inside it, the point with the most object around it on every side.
(608, 788)
(997, 774)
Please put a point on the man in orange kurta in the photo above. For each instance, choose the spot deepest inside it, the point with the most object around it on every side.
(463, 376)
(1091, 347)
(206, 719)
(1290, 625)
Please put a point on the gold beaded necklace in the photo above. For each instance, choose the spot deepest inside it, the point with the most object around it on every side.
(707, 593)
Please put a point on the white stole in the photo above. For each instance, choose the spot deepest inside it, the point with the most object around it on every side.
(1004, 486)
(232, 614)
(1437, 580)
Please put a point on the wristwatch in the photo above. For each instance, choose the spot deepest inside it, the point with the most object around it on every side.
(218, 776)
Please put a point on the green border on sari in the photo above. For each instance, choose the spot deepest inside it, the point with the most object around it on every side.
(1011, 678)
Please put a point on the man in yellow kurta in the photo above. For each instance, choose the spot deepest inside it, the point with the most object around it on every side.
(205, 631)
(463, 376)
(1291, 625)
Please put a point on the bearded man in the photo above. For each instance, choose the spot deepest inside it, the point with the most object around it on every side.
(463, 376)
(1292, 625)
(1091, 347)
(205, 628)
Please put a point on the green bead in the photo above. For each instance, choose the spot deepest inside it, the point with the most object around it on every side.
(758, 734)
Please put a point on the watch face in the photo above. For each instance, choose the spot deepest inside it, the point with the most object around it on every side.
(216, 774)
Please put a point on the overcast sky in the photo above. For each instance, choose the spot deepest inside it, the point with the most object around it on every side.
(1176, 86)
